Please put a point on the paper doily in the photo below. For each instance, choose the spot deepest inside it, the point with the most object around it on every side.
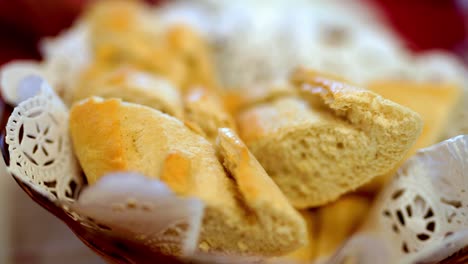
(39, 145)
(421, 217)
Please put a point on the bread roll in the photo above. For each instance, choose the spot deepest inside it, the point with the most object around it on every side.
(330, 140)
(245, 211)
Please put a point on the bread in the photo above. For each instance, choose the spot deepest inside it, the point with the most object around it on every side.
(205, 108)
(125, 32)
(308, 252)
(131, 85)
(121, 32)
(245, 212)
(195, 54)
(260, 93)
(261, 195)
(329, 227)
(330, 140)
(337, 221)
(435, 102)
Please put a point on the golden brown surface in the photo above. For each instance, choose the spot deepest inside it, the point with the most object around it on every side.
(131, 85)
(338, 221)
(329, 140)
(245, 213)
(107, 152)
(122, 32)
(435, 103)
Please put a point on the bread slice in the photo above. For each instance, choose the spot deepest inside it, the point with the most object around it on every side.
(131, 85)
(329, 141)
(245, 214)
(435, 102)
(205, 108)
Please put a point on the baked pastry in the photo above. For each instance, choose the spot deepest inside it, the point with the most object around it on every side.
(435, 102)
(125, 33)
(205, 108)
(308, 252)
(245, 213)
(131, 85)
(329, 140)
(195, 54)
(337, 221)
(122, 32)
(329, 226)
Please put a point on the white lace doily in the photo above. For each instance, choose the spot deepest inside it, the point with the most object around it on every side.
(38, 142)
(423, 213)
(429, 199)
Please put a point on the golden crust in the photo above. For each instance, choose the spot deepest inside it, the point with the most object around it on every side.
(435, 102)
(105, 137)
(338, 221)
(131, 85)
(329, 128)
(176, 172)
(245, 214)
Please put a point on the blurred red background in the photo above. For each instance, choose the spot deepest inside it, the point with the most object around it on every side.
(424, 24)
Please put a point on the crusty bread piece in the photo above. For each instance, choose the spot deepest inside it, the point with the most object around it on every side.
(308, 252)
(245, 211)
(195, 54)
(131, 85)
(338, 221)
(330, 141)
(435, 102)
(124, 32)
(329, 226)
(243, 98)
(205, 108)
(279, 223)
